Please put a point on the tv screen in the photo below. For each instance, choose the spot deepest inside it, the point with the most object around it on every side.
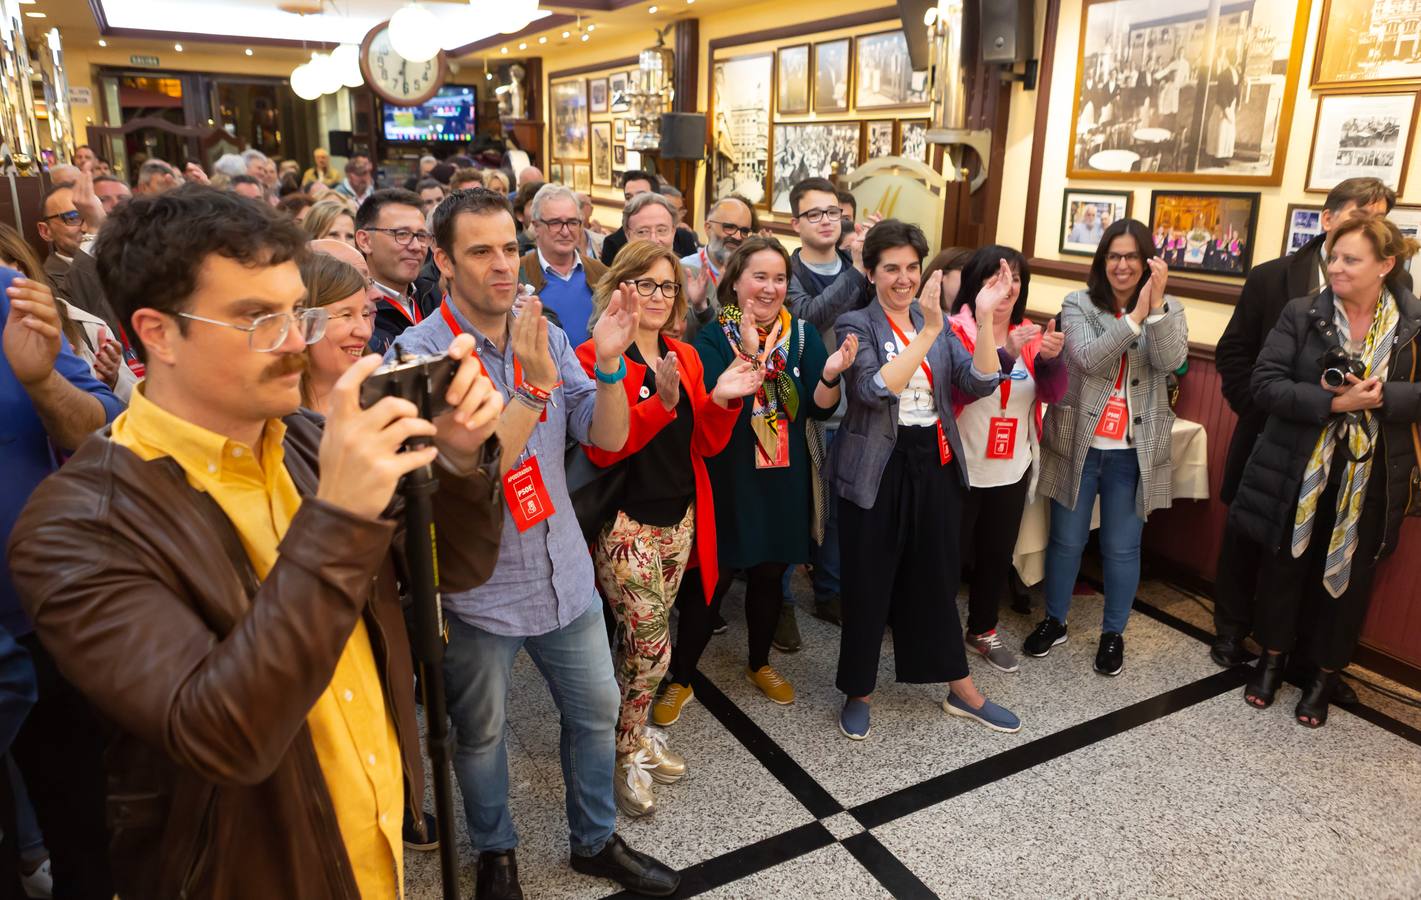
(447, 116)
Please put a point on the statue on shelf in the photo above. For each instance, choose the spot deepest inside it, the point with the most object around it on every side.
(513, 98)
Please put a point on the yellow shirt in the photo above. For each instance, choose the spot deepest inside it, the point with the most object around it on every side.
(350, 725)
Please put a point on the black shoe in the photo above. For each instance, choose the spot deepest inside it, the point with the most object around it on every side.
(1047, 635)
(1110, 657)
(1228, 652)
(1342, 693)
(718, 624)
(1315, 697)
(632, 870)
(416, 841)
(497, 877)
(1020, 594)
(1267, 676)
(829, 608)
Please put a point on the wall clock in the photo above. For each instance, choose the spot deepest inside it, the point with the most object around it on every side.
(394, 79)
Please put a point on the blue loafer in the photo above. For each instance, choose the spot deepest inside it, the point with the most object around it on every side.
(991, 715)
(853, 721)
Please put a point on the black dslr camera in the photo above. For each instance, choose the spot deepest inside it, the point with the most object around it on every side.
(422, 380)
(1337, 364)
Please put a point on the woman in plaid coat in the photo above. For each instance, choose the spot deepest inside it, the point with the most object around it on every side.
(1109, 437)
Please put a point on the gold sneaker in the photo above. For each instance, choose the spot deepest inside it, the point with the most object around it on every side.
(632, 784)
(771, 684)
(667, 708)
(667, 766)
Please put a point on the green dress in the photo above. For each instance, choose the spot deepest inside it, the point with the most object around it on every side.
(763, 515)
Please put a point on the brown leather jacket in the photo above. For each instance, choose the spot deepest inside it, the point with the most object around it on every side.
(139, 587)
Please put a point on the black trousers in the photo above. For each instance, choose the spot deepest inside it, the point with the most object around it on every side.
(1236, 583)
(1294, 610)
(991, 518)
(899, 566)
(762, 613)
(60, 752)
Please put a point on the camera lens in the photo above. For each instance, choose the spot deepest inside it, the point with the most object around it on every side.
(1333, 377)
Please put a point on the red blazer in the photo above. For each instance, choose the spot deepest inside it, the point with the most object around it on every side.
(712, 430)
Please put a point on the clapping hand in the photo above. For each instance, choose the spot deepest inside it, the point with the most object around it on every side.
(1020, 336)
(1159, 275)
(698, 288)
(530, 346)
(994, 292)
(668, 381)
(839, 362)
(750, 341)
(31, 334)
(107, 361)
(930, 301)
(741, 379)
(616, 329)
(1052, 342)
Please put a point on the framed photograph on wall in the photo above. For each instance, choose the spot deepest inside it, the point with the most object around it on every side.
(619, 157)
(619, 129)
(1086, 214)
(1204, 231)
(597, 95)
(617, 92)
(913, 140)
(831, 76)
(570, 119)
(1150, 106)
(878, 138)
(742, 89)
(1408, 219)
(792, 80)
(1359, 135)
(602, 153)
(1304, 223)
(883, 76)
(1365, 42)
(582, 177)
(818, 150)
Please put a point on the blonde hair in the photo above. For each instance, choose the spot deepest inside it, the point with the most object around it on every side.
(328, 280)
(1386, 239)
(490, 175)
(633, 261)
(323, 215)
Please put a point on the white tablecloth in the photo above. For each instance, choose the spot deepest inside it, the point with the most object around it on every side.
(1189, 461)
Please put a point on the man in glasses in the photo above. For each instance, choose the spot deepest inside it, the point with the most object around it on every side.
(635, 183)
(62, 227)
(390, 230)
(214, 573)
(728, 223)
(562, 276)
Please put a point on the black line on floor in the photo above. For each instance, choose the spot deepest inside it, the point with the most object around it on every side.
(748, 860)
(1165, 618)
(887, 868)
(1018, 759)
(780, 764)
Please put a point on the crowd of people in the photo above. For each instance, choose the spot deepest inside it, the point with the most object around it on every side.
(202, 617)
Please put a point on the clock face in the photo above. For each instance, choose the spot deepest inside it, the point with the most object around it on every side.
(397, 80)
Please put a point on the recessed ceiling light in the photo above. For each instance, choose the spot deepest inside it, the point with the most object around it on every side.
(586, 37)
(34, 15)
(652, 10)
(28, 2)
(488, 76)
(567, 34)
(503, 50)
(178, 47)
(543, 39)
(522, 45)
(103, 43)
(591, 28)
(249, 51)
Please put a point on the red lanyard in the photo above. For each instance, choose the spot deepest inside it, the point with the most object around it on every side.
(455, 327)
(705, 264)
(415, 318)
(1120, 378)
(903, 341)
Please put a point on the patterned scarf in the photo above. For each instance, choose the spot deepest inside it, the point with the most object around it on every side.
(1361, 438)
(778, 390)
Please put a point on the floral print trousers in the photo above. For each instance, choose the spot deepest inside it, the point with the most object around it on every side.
(639, 569)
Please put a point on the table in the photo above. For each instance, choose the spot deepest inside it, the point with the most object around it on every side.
(1152, 135)
(1189, 465)
(1114, 160)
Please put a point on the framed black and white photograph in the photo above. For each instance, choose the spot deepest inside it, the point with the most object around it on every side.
(570, 119)
(617, 92)
(792, 80)
(619, 129)
(1204, 231)
(742, 89)
(820, 150)
(883, 76)
(1174, 95)
(1367, 42)
(1303, 224)
(602, 153)
(1408, 219)
(1086, 214)
(1358, 135)
(597, 95)
(878, 138)
(831, 76)
(582, 178)
(913, 140)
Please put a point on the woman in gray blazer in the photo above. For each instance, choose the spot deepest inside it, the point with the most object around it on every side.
(1109, 437)
(897, 467)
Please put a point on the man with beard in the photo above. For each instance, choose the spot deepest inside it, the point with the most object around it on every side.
(729, 222)
(390, 230)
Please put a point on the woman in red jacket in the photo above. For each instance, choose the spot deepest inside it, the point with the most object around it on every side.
(666, 511)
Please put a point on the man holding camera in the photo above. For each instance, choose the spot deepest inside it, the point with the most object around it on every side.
(542, 597)
(214, 572)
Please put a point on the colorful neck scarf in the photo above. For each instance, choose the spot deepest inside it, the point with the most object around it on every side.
(778, 391)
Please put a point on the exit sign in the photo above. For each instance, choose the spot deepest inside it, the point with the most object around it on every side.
(143, 60)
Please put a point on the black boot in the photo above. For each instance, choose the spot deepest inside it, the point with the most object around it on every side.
(1315, 699)
(1267, 676)
(1228, 651)
(632, 870)
(497, 876)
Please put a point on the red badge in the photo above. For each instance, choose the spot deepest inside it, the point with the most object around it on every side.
(1001, 438)
(526, 495)
(781, 459)
(944, 449)
(1112, 420)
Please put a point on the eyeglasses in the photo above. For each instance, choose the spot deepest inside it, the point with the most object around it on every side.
(646, 287)
(814, 216)
(71, 217)
(560, 224)
(403, 236)
(646, 234)
(730, 230)
(268, 332)
(347, 319)
(1116, 258)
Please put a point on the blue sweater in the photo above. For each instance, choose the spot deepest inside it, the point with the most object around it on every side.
(26, 456)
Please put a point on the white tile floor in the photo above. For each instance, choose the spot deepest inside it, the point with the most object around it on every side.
(1187, 793)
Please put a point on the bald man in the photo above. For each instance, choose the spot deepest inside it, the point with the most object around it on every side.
(348, 254)
(530, 175)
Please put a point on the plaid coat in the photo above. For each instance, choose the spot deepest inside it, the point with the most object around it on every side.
(1095, 341)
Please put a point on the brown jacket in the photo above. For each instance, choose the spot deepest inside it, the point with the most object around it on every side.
(139, 587)
(529, 272)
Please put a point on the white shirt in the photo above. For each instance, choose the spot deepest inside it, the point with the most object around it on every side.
(915, 404)
(974, 425)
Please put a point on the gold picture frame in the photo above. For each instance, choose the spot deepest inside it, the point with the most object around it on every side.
(1352, 51)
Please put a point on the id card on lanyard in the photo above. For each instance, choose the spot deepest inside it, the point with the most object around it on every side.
(1001, 430)
(944, 449)
(1116, 415)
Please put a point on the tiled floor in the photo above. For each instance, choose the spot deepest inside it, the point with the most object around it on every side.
(1158, 783)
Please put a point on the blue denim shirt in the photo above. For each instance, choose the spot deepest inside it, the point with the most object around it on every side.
(543, 579)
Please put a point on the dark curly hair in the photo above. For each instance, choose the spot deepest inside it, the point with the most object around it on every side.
(476, 201)
(151, 249)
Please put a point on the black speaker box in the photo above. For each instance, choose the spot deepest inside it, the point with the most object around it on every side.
(683, 135)
(1006, 29)
(339, 143)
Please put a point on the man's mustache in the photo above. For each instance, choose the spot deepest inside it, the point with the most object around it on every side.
(286, 364)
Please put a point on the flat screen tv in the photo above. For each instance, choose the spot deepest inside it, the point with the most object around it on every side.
(447, 116)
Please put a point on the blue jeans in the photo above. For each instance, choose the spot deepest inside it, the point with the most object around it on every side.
(1113, 475)
(577, 665)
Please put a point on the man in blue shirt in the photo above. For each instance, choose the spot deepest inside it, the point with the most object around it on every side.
(542, 596)
(562, 276)
(50, 399)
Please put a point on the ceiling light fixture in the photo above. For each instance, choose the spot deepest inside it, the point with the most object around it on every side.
(503, 50)
(178, 47)
(543, 39)
(586, 36)
(305, 83)
(414, 33)
(34, 15)
(591, 28)
(103, 43)
(652, 10)
(346, 60)
(566, 35)
(249, 51)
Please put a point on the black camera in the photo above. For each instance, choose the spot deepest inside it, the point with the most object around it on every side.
(422, 380)
(1337, 364)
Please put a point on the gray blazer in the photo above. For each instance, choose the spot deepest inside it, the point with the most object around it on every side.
(870, 429)
(1095, 339)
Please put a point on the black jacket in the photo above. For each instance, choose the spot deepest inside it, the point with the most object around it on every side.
(684, 244)
(391, 321)
(1287, 386)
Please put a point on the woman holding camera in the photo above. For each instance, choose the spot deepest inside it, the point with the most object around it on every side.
(1328, 483)
(1110, 435)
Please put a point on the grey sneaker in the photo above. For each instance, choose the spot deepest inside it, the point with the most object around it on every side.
(786, 639)
(993, 650)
